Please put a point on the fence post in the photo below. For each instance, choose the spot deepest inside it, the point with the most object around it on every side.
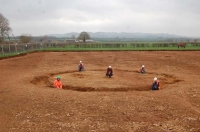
(2, 49)
(67, 46)
(35, 46)
(26, 48)
(9, 48)
(16, 48)
(22, 48)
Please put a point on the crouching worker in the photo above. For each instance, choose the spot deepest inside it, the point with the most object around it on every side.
(156, 84)
(57, 83)
(80, 66)
(142, 70)
(109, 72)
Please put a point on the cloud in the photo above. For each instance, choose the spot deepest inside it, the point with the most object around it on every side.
(41, 17)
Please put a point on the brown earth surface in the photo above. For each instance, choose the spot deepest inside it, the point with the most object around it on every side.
(91, 102)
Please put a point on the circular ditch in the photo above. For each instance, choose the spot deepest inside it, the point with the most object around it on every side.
(95, 80)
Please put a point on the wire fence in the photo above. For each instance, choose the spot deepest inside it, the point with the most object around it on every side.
(19, 48)
(7, 49)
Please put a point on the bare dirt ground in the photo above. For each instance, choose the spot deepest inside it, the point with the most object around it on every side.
(91, 102)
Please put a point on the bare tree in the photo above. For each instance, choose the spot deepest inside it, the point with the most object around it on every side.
(84, 36)
(4, 28)
(25, 38)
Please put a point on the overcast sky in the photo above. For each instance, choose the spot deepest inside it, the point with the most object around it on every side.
(40, 17)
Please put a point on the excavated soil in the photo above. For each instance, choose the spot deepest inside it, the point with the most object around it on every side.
(123, 80)
(89, 101)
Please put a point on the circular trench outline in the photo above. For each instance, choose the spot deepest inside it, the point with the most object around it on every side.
(43, 80)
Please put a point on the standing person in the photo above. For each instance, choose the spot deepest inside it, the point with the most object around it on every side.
(80, 66)
(57, 83)
(156, 84)
(109, 72)
(142, 70)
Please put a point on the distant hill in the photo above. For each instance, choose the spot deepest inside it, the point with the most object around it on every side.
(127, 37)
(118, 35)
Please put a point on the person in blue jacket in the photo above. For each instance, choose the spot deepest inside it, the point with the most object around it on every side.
(156, 84)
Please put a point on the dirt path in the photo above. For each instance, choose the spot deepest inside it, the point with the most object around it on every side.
(92, 102)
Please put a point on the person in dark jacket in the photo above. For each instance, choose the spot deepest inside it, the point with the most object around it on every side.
(156, 84)
(80, 66)
(109, 72)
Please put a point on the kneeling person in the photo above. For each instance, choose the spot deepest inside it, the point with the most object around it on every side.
(80, 66)
(57, 83)
(156, 84)
(109, 72)
(142, 70)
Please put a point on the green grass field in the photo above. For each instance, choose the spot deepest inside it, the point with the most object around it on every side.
(121, 47)
(104, 47)
(124, 49)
